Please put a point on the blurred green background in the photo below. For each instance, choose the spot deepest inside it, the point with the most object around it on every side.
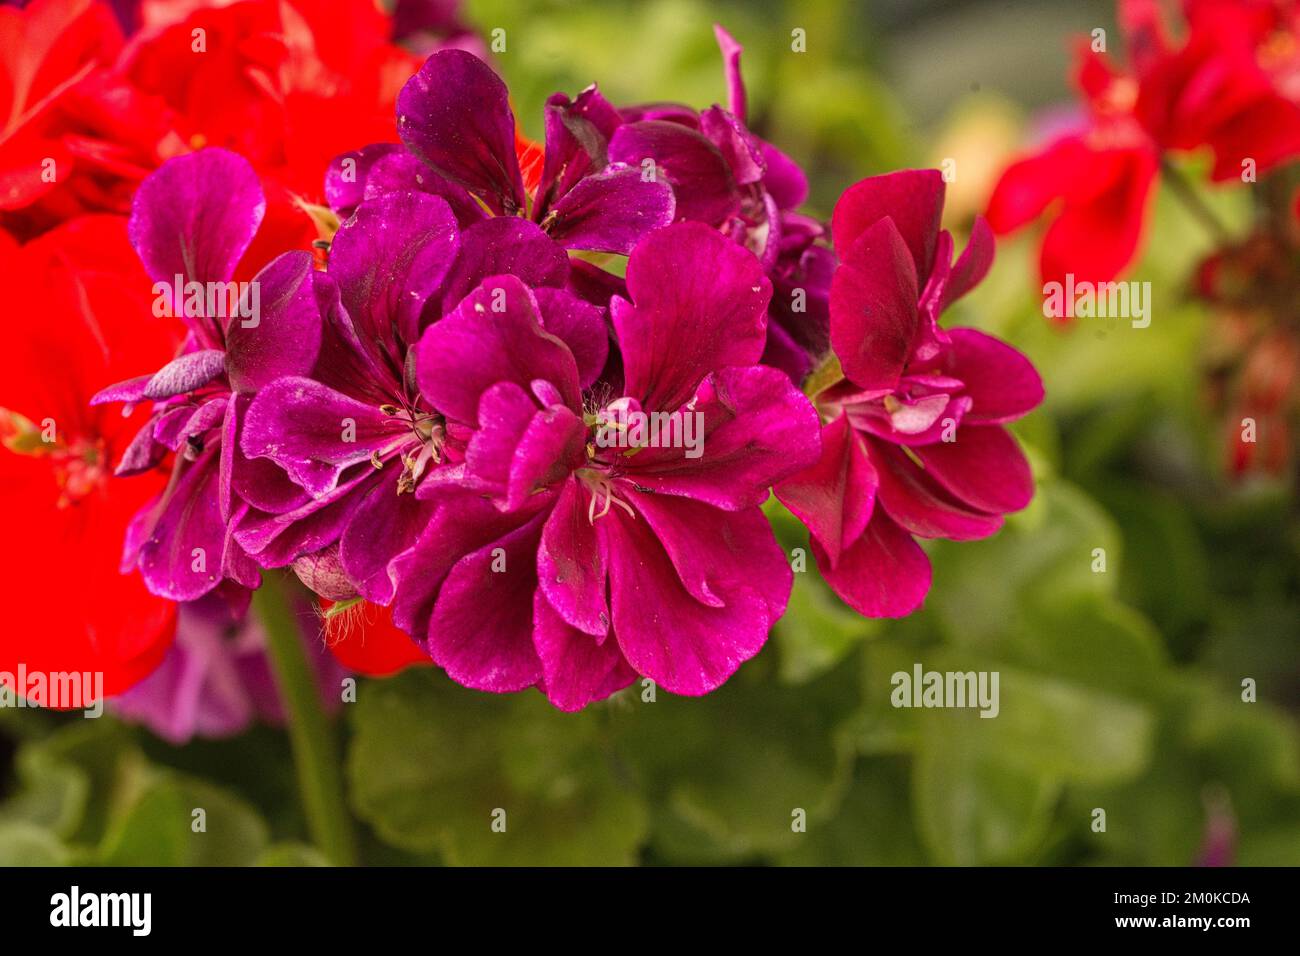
(1121, 690)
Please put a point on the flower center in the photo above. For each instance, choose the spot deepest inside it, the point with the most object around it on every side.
(429, 432)
(600, 486)
(80, 466)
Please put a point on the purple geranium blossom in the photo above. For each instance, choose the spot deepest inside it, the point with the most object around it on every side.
(556, 562)
(354, 434)
(216, 679)
(191, 222)
(725, 176)
(455, 120)
(914, 442)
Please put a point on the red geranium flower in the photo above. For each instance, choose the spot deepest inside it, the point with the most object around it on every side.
(79, 317)
(1230, 85)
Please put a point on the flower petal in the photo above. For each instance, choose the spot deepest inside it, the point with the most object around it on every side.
(315, 433)
(571, 565)
(884, 573)
(751, 428)
(920, 504)
(912, 198)
(698, 304)
(666, 634)
(286, 336)
(481, 627)
(834, 498)
(701, 180)
(1002, 384)
(493, 336)
(873, 307)
(610, 211)
(984, 468)
(576, 669)
(388, 259)
(194, 217)
(186, 373)
(455, 115)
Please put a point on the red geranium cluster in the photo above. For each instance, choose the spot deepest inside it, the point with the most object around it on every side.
(1226, 87)
(1229, 85)
(95, 97)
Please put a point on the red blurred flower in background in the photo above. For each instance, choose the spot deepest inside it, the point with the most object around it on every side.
(289, 84)
(88, 112)
(79, 317)
(1231, 86)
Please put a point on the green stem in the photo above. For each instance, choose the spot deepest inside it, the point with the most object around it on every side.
(315, 751)
(1194, 204)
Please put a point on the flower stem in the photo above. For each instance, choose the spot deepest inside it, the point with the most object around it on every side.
(1194, 204)
(315, 751)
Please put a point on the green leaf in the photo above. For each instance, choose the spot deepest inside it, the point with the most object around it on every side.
(974, 806)
(291, 854)
(431, 764)
(26, 844)
(874, 825)
(727, 772)
(164, 828)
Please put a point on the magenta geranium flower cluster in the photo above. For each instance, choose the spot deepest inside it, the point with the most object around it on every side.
(539, 421)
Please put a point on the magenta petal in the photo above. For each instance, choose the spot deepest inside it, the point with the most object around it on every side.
(142, 454)
(195, 215)
(699, 303)
(466, 524)
(722, 558)
(576, 670)
(972, 265)
(278, 540)
(520, 450)
(571, 565)
(685, 646)
(695, 168)
(348, 174)
(873, 308)
(481, 628)
(493, 336)
(731, 51)
(182, 557)
(834, 498)
(742, 150)
(504, 246)
(260, 482)
(286, 338)
(1002, 384)
(756, 429)
(784, 179)
(920, 504)
(984, 468)
(131, 391)
(577, 141)
(579, 325)
(455, 115)
(315, 433)
(884, 573)
(400, 172)
(383, 524)
(912, 198)
(390, 257)
(610, 211)
(186, 373)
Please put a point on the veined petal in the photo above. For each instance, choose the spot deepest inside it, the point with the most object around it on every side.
(455, 115)
(315, 433)
(698, 304)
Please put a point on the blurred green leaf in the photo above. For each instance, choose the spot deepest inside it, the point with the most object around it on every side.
(162, 828)
(431, 764)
